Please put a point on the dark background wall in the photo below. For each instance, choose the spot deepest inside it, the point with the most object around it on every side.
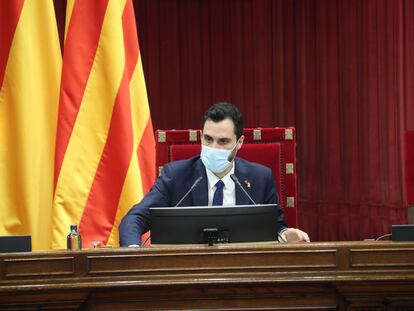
(340, 71)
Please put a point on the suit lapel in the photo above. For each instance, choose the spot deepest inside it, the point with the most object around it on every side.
(242, 175)
(200, 193)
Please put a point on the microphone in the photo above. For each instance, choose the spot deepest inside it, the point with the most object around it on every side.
(236, 181)
(189, 191)
(232, 154)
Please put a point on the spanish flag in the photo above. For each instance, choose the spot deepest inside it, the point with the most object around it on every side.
(30, 68)
(105, 149)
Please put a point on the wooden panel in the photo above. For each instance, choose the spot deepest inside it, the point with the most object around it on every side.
(208, 262)
(223, 297)
(382, 257)
(50, 300)
(38, 266)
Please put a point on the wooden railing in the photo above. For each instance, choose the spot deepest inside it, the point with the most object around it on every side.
(311, 276)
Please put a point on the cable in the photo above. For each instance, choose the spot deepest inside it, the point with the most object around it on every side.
(383, 236)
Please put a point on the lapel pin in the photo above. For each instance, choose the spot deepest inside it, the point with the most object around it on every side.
(248, 185)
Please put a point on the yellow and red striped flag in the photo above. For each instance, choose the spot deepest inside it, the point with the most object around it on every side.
(105, 150)
(30, 68)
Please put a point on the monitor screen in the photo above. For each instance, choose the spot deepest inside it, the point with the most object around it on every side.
(402, 232)
(15, 243)
(214, 224)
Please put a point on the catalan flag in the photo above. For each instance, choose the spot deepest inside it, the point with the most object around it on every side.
(104, 144)
(30, 68)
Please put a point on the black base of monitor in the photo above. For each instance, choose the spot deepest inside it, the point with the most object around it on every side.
(215, 236)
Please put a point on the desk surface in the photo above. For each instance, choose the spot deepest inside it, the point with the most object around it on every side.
(328, 276)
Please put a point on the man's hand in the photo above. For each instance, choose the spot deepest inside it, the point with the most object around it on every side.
(294, 235)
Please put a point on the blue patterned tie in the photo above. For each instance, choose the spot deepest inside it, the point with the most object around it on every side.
(218, 194)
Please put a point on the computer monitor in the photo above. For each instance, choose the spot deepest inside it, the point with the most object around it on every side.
(214, 224)
(15, 243)
(402, 232)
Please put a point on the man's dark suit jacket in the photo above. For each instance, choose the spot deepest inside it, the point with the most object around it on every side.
(177, 178)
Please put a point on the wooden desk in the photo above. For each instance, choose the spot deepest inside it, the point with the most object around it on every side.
(312, 276)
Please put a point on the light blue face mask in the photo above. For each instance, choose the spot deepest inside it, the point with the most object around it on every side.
(216, 160)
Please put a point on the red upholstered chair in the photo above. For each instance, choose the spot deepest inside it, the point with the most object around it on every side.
(409, 171)
(272, 147)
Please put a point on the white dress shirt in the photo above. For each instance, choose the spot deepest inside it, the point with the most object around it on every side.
(229, 190)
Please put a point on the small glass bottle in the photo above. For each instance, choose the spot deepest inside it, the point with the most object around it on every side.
(74, 240)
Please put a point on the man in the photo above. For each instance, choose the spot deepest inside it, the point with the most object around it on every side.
(222, 137)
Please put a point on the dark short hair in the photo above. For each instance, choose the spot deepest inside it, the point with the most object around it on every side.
(224, 110)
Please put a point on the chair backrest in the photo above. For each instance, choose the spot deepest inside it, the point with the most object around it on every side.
(272, 147)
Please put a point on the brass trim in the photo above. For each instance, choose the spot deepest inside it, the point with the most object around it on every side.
(160, 170)
(257, 134)
(289, 168)
(192, 135)
(162, 137)
(288, 134)
(290, 202)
